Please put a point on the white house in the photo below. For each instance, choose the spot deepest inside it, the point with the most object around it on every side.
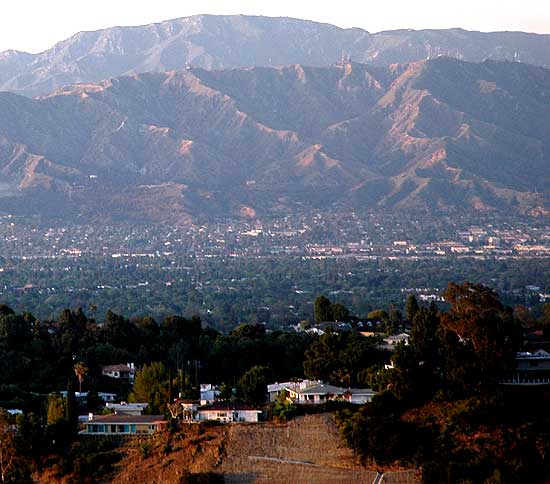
(227, 412)
(291, 388)
(392, 341)
(321, 393)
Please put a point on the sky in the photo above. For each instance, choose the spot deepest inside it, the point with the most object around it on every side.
(36, 25)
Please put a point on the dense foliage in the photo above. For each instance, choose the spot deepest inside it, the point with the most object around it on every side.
(441, 406)
(226, 291)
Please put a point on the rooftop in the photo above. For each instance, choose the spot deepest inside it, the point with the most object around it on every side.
(126, 419)
(323, 389)
(231, 406)
(539, 354)
(110, 368)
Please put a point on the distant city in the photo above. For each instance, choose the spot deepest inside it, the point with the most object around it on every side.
(267, 271)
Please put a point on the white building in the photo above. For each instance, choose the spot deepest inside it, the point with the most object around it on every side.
(209, 393)
(227, 412)
(392, 341)
(127, 408)
(321, 393)
(291, 387)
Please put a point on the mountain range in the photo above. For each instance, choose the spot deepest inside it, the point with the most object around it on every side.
(194, 144)
(223, 42)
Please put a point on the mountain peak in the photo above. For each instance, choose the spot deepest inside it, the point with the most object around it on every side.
(222, 42)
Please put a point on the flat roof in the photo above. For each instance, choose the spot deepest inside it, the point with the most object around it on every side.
(124, 418)
(232, 406)
(323, 389)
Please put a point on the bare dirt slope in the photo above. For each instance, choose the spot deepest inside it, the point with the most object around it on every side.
(306, 450)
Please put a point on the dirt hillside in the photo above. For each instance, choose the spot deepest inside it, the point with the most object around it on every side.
(305, 450)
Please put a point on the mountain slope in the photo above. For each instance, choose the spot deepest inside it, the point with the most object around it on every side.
(177, 146)
(221, 42)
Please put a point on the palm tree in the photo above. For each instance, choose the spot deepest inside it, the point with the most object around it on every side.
(80, 370)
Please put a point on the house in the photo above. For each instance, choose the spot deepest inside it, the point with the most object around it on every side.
(227, 412)
(291, 388)
(209, 393)
(123, 424)
(392, 341)
(532, 369)
(120, 372)
(107, 397)
(321, 393)
(537, 361)
(127, 408)
(81, 397)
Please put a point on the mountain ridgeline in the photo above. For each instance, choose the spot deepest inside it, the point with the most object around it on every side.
(195, 144)
(222, 42)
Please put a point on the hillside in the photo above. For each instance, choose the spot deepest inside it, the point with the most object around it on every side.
(307, 449)
(221, 42)
(197, 145)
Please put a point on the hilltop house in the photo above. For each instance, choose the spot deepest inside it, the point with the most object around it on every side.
(227, 412)
(321, 393)
(291, 388)
(532, 368)
(317, 392)
(123, 424)
(538, 361)
(127, 408)
(392, 341)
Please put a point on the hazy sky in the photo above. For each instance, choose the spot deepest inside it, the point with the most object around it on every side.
(35, 25)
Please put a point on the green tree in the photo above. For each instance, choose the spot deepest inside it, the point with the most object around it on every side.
(339, 312)
(378, 315)
(14, 466)
(252, 386)
(322, 309)
(8, 450)
(338, 357)
(57, 408)
(425, 337)
(480, 321)
(151, 386)
(411, 307)
(283, 409)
